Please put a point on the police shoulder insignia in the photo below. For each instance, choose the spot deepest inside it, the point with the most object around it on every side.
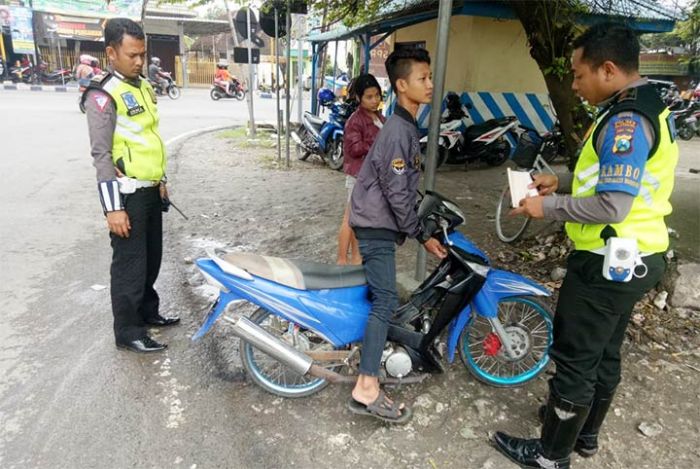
(398, 166)
(628, 94)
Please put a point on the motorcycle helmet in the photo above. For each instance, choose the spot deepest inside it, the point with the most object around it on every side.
(85, 59)
(222, 65)
(155, 61)
(325, 97)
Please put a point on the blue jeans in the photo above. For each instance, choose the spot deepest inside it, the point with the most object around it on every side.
(379, 261)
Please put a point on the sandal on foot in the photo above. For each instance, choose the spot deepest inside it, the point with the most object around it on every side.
(382, 410)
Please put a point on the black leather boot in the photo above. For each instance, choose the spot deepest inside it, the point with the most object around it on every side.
(562, 422)
(587, 441)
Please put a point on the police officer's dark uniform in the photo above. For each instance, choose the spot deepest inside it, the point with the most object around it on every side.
(383, 214)
(123, 126)
(629, 160)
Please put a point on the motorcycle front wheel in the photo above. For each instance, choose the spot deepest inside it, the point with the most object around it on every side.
(528, 322)
(334, 157)
(273, 376)
(240, 95)
(173, 92)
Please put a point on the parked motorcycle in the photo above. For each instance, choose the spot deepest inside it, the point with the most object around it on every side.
(61, 75)
(324, 137)
(171, 89)
(236, 91)
(687, 120)
(23, 74)
(311, 319)
(460, 143)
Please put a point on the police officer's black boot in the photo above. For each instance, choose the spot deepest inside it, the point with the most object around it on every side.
(562, 422)
(587, 441)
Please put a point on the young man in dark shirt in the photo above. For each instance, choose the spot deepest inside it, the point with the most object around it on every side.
(383, 214)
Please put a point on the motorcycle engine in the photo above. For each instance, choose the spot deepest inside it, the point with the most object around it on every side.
(397, 362)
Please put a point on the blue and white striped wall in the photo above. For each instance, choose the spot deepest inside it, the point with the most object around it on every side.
(532, 110)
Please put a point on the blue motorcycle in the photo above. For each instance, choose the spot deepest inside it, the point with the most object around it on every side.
(324, 137)
(308, 329)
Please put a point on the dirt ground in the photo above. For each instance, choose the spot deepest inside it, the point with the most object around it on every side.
(238, 197)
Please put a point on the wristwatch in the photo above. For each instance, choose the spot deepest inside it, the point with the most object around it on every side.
(423, 237)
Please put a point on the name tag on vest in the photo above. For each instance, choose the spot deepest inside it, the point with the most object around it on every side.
(132, 106)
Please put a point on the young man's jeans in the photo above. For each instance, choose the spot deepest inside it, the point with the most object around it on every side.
(379, 261)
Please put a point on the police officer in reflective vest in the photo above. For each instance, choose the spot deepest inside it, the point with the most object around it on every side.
(619, 196)
(129, 157)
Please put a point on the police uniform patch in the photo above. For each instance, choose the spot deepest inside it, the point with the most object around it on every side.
(398, 166)
(153, 95)
(623, 144)
(133, 107)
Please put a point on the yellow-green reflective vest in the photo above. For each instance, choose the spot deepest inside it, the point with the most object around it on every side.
(645, 221)
(137, 149)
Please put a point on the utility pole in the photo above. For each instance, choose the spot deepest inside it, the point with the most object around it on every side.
(301, 31)
(443, 34)
(289, 76)
(251, 78)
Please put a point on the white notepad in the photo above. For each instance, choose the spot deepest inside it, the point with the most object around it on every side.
(518, 182)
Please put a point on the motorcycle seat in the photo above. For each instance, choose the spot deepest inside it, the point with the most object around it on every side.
(477, 130)
(315, 121)
(297, 273)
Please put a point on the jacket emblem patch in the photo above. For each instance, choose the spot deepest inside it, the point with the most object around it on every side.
(398, 166)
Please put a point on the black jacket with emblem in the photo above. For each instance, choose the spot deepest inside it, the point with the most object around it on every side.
(383, 202)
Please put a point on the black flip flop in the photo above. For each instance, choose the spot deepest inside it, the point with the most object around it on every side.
(382, 410)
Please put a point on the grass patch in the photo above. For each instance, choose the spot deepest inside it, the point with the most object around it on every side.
(264, 138)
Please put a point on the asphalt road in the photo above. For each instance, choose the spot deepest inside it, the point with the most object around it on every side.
(57, 365)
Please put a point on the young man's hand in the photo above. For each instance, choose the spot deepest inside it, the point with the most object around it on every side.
(434, 247)
(118, 222)
(545, 183)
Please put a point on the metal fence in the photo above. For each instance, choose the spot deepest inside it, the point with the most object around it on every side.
(68, 57)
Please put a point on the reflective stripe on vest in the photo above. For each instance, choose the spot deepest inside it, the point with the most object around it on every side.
(137, 149)
(645, 222)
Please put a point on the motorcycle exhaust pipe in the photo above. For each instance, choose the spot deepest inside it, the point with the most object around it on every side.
(247, 330)
(259, 338)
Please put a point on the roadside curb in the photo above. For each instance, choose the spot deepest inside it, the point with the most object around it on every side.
(25, 87)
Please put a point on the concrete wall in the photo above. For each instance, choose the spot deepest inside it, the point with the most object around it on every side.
(484, 54)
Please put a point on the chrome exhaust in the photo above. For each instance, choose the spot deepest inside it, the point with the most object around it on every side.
(247, 330)
(259, 338)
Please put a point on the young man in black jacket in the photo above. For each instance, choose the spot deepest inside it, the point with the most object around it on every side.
(383, 214)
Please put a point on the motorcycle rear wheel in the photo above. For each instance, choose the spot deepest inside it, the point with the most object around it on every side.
(273, 376)
(214, 94)
(685, 132)
(508, 228)
(302, 153)
(528, 320)
(499, 154)
(334, 158)
(173, 92)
